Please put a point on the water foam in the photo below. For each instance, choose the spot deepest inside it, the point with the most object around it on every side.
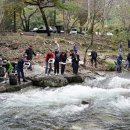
(117, 82)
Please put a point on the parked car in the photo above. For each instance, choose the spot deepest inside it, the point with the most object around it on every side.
(42, 29)
(34, 29)
(73, 31)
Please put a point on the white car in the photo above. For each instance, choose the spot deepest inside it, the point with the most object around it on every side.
(73, 31)
(34, 29)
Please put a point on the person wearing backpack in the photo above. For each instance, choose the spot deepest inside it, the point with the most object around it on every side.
(94, 58)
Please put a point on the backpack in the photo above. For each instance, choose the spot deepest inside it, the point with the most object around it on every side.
(2, 71)
(13, 79)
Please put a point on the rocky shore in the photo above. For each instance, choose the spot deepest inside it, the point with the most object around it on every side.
(47, 81)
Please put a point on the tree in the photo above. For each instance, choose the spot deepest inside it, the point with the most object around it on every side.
(26, 15)
(42, 4)
(11, 14)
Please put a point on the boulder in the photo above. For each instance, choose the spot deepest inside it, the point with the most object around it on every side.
(50, 81)
(85, 102)
(6, 87)
(75, 78)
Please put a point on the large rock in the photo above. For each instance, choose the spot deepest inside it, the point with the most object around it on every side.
(12, 88)
(50, 81)
(57, 81)
(75, 78)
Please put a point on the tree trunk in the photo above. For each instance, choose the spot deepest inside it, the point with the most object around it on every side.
(92, 33)
(14, 28)
(45, 21)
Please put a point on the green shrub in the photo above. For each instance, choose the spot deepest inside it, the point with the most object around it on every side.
(110, 66)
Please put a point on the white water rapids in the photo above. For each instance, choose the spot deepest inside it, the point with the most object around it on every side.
(61, 108)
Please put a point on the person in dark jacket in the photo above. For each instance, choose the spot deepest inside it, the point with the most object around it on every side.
(128, 59)
(30, 52)
(63, 58)
(94, 58)
(119, 63)
(56, 63)
(75, 62)
(20, 71)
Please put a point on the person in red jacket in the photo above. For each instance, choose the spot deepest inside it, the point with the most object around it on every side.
(48, 62)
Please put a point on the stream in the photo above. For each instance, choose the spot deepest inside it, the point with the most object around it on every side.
(61, 108)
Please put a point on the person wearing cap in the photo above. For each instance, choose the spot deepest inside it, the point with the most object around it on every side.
(20, 71)
(30, 52)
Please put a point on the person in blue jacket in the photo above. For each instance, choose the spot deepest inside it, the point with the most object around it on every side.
(20, 71)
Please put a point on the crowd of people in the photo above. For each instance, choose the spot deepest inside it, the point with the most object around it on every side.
(55, 62)
(58, 58)
(54, 57)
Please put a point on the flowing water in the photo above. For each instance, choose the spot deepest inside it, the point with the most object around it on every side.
(61, 108)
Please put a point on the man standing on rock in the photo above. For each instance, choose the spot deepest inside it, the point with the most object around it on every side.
(30, 52)
(75, 62)
(48, 62)
(20, 71)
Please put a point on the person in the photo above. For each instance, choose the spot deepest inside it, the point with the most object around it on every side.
(48, 62)
(119, 63)
(75, 62)
(2, 72)
(56, 63)
(128, 59)
(57, 47)
(20, 71)
(63, 58)
(1, 61)
(75, 47)
(120, 48)
(8, 66)
(94, 58)
(30, 52)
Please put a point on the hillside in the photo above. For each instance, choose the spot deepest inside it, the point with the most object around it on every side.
(13, 46)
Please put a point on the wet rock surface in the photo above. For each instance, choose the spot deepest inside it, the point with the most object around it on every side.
(6, 87)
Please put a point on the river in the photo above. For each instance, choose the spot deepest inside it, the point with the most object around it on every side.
(61, 108)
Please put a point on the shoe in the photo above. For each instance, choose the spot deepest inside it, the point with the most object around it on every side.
(46, 74)
(25, 80)
(19, 82)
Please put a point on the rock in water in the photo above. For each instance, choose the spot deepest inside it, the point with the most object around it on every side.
(13, 79)
(84, 102)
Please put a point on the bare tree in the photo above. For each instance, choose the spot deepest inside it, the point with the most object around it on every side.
(26, 17)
